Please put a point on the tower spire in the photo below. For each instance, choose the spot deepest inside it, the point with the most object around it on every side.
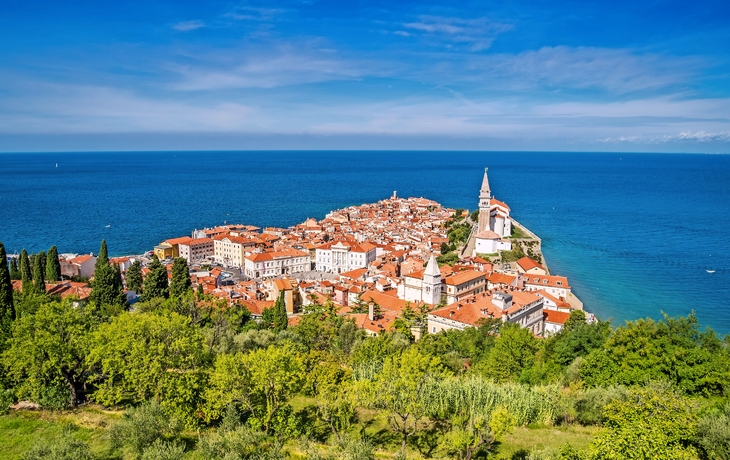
(432, 267)
(485, 184)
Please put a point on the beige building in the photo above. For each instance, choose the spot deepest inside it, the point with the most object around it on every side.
(196, 250)
(230, 251)
(463, 284)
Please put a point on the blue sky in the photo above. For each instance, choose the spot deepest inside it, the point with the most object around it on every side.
(514, 75)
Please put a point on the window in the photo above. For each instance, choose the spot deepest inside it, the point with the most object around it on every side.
(434, 329)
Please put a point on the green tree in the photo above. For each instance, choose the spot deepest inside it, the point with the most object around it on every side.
(134, 277)
(578, 339)
(7, 306)
(514, 350)
(655, 422)
(399, 389)
(47, 350)
(261, 383)
(673, 349)
(103, 257)
(53, 265)
(334, 390)
(475, 429)
(26, 273)
(155, 283)
(180, 283)
(107, 290)
(145, 355)
(39, 272)
(280, 319)
(14, 270)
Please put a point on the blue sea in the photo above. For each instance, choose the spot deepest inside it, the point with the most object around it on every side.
(634, 233)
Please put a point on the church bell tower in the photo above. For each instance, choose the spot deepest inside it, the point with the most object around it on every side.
(485, 202)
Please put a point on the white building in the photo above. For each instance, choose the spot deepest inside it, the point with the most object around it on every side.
(270, 264)
(341, 257)
(489, 242)
(422, 285)
(553, 285)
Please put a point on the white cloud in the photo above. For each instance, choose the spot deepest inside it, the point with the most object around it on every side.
(187, 26)
(702, 136)
(479, 33)
(278, 68)
(617, 70)
(45, 108)
(248, 13)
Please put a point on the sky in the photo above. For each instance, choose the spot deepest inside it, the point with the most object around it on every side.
(511, 75)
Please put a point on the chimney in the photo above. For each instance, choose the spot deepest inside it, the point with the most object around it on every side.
(451, 314)
(371, 311)
(502, 300)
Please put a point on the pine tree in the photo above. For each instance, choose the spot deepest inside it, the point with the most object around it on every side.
(14, 270)
(155, 284)
(25, 273)
(280, 319)
(106, 287)
(180, 283)
(39, 262)
(7, 307)
(53, 266)
(134, 277)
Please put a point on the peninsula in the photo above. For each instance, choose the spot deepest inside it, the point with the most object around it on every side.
(373, 262)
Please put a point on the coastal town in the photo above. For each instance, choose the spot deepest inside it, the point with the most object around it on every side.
(373, 263)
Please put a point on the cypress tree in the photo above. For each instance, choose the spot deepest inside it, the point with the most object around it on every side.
(134, 277)
(155, 284)
(25, 272)
(14, 270)
(39, 282)
(53, 266)
(280, 320)
(103, 257)
(7, 307)
(180, 283)
(106, 287)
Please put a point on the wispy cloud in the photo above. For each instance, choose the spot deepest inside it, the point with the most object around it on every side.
(478, 33)
(187, 26)
(617, 70)
(280, 67)
(249, 13)
(58, 108)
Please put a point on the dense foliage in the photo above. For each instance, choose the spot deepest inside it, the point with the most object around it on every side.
(181, 361)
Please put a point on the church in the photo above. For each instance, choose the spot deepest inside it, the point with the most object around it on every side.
(493, 224)
(422, 285)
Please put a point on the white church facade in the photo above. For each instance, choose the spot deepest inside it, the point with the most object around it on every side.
(422, 285)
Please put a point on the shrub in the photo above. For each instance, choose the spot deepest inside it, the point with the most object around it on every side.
(590, 404)
(65, 447)
(238, 444)
(142, 426)
(163, 450)
(714, 434)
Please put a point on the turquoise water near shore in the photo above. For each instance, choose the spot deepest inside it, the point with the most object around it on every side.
(634, 233)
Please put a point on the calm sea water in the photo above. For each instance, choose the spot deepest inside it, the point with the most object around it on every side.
(634, 233)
